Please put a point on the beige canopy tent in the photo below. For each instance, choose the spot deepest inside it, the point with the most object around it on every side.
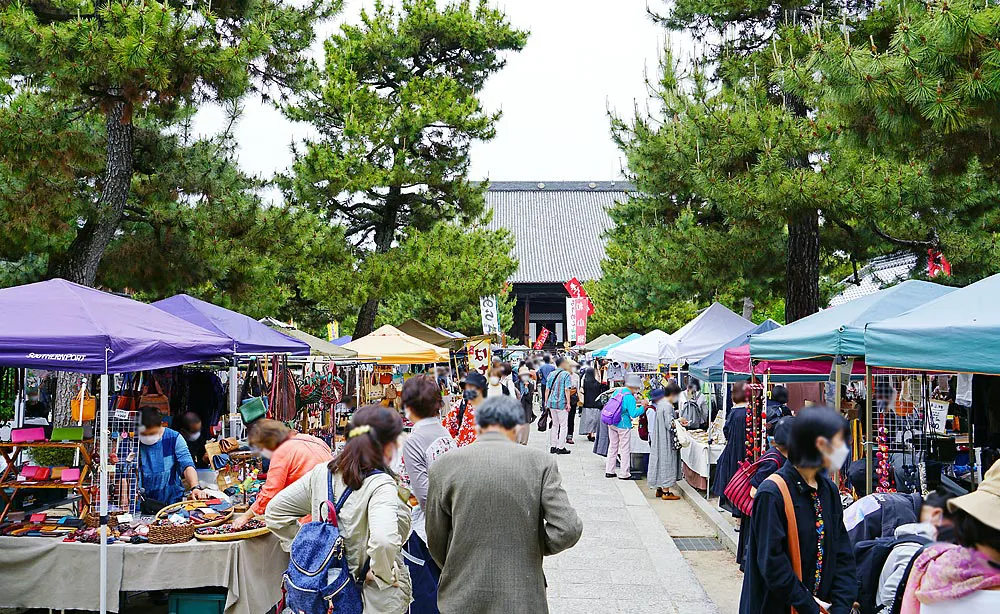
(601, 342)
(318, 347)
(390, 346)
(429, 334)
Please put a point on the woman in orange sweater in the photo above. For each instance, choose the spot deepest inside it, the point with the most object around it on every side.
(292, 455)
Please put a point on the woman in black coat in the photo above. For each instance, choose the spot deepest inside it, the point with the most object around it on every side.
(735, 451)
(591, 415)
(770, 584)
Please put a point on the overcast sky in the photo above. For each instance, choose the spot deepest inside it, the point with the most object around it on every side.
(582, 57)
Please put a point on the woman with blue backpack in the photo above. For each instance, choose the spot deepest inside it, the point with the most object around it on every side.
(349, 557)
(618, 414)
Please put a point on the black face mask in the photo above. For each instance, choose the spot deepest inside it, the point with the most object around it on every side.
(470, 395)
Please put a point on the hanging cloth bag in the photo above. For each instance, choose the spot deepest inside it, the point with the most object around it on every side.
(152, 396)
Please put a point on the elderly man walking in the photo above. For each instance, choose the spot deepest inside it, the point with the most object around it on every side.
(494, 509)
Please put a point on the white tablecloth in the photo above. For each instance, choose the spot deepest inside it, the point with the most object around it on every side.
(696, 456)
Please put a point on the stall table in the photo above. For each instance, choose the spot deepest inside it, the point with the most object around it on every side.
(45, 572)
(698, 461)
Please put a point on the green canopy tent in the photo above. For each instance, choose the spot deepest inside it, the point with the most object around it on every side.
(317, 346)
(434, 336)
(603, 352)
(601, 342)
(840, 330)
(958, 332)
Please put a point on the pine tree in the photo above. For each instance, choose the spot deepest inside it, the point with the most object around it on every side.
(91, 90)
(396, 107)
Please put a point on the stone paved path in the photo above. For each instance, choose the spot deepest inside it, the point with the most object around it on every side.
(625, 562)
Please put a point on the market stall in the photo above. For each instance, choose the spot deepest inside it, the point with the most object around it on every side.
(600, 343)
(958, 333)
(390, 346)
(64, 326)
(432, 335)
(645, 349)
(711, 367)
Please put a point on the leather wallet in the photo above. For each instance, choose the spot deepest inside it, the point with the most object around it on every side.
(29, 472)
(43, 473)
(38, 518)
(67, 433)
(35, 433)
(70, 475)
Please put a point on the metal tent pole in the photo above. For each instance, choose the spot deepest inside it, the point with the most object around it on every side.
(234, 398)
(103, 468)
(870, 392)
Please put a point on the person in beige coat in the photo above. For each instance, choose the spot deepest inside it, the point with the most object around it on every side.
(494, 509)
(375, 518)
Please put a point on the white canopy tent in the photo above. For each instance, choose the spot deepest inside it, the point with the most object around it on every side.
(703, 335)
(647, 349)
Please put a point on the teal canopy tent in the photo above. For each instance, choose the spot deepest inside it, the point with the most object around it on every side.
(603, 352)
(840, 330)
(958, 332)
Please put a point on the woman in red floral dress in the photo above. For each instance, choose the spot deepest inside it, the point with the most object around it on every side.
(461, 419)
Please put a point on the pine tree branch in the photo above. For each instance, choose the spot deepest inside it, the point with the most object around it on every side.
(905, 242)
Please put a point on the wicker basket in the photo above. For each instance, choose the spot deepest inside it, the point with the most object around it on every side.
(163, 534)
(231, 537)
(165, 512)
(93, 519)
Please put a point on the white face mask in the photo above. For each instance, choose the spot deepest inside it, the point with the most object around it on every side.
(838, 456)
(265, 453)
(151, 440)
(192, 437)
(494, 380)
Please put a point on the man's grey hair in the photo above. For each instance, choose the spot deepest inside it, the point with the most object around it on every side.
(501, 410)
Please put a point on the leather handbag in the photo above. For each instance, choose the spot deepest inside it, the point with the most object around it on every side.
(130, 395)
(153, 396)
(738, 489)
(83, 406)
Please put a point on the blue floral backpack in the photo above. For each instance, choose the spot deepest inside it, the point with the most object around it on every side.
(318, 580)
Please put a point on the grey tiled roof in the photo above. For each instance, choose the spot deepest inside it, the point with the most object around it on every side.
(550, 218)
(879, 273)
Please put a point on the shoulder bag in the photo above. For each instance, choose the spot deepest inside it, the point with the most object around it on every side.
(738, 489)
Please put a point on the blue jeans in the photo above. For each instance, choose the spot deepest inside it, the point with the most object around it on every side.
(424, 574)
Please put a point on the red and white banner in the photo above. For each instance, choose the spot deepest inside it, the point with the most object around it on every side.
(582, 309)
(542, 338)
(575, 289)
(479, 356)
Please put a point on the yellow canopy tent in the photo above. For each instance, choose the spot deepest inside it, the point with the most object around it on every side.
(391, 346)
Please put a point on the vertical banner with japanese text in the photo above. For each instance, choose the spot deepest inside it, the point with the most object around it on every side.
(575, 289)
(581, 311)
(489, 311)
(571, 320)
(479, 355)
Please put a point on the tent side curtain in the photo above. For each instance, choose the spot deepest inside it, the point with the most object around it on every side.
(63, 326)
(390, 346)
(958, 332)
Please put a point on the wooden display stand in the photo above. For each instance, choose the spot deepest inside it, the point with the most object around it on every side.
(12, 451)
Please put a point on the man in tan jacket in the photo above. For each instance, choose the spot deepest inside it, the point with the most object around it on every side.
(494, 509)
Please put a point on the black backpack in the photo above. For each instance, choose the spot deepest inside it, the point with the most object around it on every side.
(870, 556)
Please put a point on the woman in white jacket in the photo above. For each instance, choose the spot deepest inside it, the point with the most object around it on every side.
(375, 518)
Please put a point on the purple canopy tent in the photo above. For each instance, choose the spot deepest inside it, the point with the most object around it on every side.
(63, 326)
(248, 335)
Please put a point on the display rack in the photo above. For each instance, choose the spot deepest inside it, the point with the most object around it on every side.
(900, 402)
(12, 451)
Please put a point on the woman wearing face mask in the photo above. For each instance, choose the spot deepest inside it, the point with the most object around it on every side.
(664, 457)
(164, 459)
(374, 520)
(461, 420)
(496, 383)
(771, 584)
(292, 456)
(189, 426)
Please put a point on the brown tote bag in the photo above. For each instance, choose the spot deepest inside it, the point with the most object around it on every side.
(155, 398)
(793, 530)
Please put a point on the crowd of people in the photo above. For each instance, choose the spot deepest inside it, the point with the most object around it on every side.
(411, 509)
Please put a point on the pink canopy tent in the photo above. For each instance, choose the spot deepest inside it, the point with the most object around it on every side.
(737, 360)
